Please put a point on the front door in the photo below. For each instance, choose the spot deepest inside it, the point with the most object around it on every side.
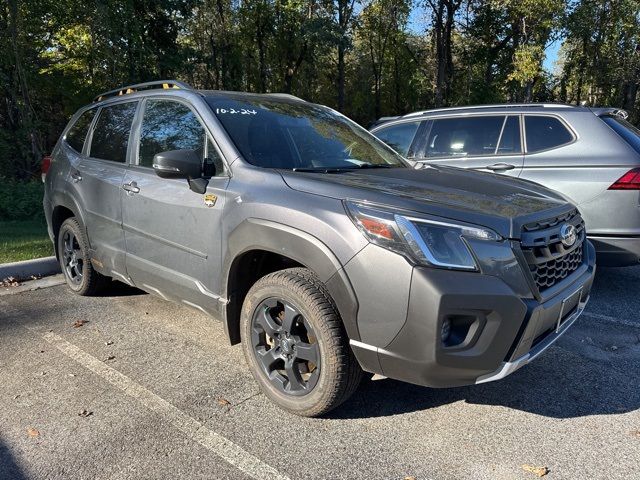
(490, 143)
(172, 234)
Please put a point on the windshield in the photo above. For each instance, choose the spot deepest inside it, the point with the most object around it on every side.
(277, 133)
(625, 129)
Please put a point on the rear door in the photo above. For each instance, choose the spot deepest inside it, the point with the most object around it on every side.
(173, 235)
(98, 176)
(491, 142)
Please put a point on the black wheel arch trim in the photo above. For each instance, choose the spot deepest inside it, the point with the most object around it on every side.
(297, 245)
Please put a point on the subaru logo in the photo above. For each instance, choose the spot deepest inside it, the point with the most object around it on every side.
(568, 235)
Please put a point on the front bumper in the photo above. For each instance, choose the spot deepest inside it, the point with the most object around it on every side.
(499, 330)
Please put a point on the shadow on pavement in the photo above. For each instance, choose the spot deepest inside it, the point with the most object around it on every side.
(9, 469)
(119, 289)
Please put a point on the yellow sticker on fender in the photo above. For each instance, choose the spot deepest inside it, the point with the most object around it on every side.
(210, 199)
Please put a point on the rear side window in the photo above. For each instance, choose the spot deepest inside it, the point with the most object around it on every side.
(464, 136)
(544, 133)
(112, 130)
(399, 136)
(169, 125)
(78, 133)
(626, 130)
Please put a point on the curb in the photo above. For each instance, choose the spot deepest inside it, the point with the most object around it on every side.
(24, 270)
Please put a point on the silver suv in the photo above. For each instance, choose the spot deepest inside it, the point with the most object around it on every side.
(321, 249)
(589, 155)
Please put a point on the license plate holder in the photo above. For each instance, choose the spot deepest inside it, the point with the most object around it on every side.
(568, 304)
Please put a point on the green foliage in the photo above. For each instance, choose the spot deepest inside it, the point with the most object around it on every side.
(368, 58)
(21, 200)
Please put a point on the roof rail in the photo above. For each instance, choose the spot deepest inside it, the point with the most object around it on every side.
(501, 105)
(158, 84)
(284, 96)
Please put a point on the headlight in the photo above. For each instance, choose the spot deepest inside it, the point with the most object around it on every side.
(426, 241)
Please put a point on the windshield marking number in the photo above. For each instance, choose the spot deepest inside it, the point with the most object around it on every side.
(233, 111)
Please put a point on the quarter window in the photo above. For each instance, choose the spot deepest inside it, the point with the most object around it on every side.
(112, 130)
(544, 133)
(78, 133)
(169, 125)
(399, 136)
(464, 136)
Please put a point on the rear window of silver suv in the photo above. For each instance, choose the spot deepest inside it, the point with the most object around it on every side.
(627, 131)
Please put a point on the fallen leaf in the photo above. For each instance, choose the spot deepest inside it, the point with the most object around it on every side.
(79, 323)
(223, 402)
(635, 433)
(410, 478)
(10, 282)
(32, 432)
(85, 413)
(539, 471)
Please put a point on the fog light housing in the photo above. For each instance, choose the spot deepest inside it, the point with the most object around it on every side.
(445, 332)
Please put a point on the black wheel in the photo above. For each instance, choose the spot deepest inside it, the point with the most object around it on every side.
(295, 344)
(73, 251)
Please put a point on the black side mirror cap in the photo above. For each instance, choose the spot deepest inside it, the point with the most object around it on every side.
(178, 164)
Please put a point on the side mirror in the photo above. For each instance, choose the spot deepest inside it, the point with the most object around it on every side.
(178, 164)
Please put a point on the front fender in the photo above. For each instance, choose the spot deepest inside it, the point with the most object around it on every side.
(261, 234)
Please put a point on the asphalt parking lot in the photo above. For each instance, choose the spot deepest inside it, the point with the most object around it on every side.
(142, 388)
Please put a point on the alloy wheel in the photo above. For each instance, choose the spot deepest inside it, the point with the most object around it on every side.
(286, 347)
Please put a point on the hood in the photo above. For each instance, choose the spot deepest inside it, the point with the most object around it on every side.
(501, 203)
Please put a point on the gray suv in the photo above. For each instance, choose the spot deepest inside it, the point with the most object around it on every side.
(590, 155)
(321, 249)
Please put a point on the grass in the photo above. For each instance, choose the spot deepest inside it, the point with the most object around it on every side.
(24, 240)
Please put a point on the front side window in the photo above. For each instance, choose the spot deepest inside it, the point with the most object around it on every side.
(78, 133)
(464, 136)
(625, 129)
(544, 133)
(111, 133)
(169, 125)
(279, 133)
(399, 136)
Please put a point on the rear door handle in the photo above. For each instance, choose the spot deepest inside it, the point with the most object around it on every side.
(76, 177)
(131, 187)
(500, 167)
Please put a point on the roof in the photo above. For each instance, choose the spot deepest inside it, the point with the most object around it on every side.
(501, 108)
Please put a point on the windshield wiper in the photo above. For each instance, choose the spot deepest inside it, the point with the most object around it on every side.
(339, 169)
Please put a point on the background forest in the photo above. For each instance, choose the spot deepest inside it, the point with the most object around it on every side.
(367, 58)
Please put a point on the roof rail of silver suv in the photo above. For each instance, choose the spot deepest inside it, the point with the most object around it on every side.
(158, 84)
(502, 105)
(284, 96)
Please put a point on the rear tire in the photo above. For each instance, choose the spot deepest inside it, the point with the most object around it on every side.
(295, 344)
(73, 253)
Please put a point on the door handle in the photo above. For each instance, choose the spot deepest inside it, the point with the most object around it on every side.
(500, 167)
(76, 177)
(131, 187)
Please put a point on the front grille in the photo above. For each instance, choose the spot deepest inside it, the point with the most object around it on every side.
(549, 273)
(549, 260)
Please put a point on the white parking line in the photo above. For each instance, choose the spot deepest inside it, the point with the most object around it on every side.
(192, 428)
(216, 443)
(618, 321)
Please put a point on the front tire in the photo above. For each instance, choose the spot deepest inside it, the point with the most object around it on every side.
(73, 253)
(295, 344)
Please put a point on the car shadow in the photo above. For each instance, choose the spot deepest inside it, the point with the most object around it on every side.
(116, 288)
(9, 468)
